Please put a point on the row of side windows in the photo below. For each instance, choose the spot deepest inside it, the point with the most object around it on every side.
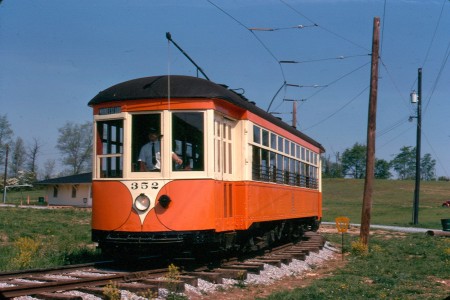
(277, 159)
(282, 145)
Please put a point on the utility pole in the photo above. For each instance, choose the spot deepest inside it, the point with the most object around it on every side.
(294, 114)
(6, 172)
(418, 146)
(371, 128)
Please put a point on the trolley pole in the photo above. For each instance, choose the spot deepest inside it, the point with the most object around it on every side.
(418, 146)
(371, 128)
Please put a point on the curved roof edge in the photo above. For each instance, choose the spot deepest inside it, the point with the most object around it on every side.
(156, 87)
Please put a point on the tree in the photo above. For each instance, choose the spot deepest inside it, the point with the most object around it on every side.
(331, 169)
(18, 154)
(75, 145)
(404, 163)
(33, 152)
(49, 168)
(6, 134)
(427, 166)
(354, 161)
(382, 169)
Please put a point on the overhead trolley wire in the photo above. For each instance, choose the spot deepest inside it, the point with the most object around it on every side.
(322, 27)
(320, 59)
(254, 35)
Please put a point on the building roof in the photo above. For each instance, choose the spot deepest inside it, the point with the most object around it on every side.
(186, 87)
(72, 179)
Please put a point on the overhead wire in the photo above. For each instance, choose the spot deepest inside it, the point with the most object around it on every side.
(438, 77)
(273, 55)
(338, 79)
(437, 157)
(340, 109)
(431, 41)
(392, 126)
(322, 59)
(324, 28)
(394, 138)
(434, 33)
(254, 35)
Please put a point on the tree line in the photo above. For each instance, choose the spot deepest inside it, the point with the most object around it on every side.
(21, 159)
(75, 143)
(352, 164)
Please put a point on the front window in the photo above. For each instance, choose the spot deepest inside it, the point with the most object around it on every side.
(187, 141)
(146, 143)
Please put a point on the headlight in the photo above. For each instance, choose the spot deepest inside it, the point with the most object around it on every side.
(142, 202)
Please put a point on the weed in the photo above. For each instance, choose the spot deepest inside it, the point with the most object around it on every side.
(241, 280)
(359, 248)
(173, 276)
(174, 272)
(111, 291)
(27, 250)
(149, 294)
(376, 249)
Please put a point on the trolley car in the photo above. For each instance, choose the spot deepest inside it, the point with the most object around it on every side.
(246, 180)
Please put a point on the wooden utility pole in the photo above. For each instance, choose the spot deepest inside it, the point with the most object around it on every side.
(418, 146)
(371, 129)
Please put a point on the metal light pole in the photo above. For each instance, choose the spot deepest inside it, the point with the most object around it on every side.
(418, 145)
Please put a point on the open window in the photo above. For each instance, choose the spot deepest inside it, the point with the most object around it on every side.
(188, 140)
(146, 137)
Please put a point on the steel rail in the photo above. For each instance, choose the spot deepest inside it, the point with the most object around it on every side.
(32, 289)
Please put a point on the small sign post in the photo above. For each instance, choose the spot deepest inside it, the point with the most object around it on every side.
(342, 225)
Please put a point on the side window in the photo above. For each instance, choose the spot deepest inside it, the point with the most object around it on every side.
(146, 143)
(188, 141)
(256, 134)
(74, 190)
(110, 148)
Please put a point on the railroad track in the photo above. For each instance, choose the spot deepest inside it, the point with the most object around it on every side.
(87, 280)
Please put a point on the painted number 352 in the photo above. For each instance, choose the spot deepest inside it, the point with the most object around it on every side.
(143, 185)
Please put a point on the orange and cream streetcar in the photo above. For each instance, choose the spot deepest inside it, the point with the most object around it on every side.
(224, 174)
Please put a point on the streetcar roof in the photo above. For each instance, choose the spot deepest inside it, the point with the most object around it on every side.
(155, 87)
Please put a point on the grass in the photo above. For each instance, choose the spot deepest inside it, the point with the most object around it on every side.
(392, 201)
(24, 196)
(39, 238)
(404, 266)
(397, 266)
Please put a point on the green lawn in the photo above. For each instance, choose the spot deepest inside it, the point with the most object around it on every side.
(410, 266)
(392, 201)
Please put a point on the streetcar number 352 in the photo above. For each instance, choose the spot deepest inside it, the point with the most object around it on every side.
(144, 185)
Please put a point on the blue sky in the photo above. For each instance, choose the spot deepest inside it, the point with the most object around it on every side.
(57, 55)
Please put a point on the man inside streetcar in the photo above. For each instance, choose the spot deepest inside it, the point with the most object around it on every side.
(150, 154)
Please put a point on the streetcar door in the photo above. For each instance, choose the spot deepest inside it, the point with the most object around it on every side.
(224, 157)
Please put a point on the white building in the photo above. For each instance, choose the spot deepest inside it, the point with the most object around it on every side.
(74, 190)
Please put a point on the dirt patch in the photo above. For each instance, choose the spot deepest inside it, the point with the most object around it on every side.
(354, 231)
